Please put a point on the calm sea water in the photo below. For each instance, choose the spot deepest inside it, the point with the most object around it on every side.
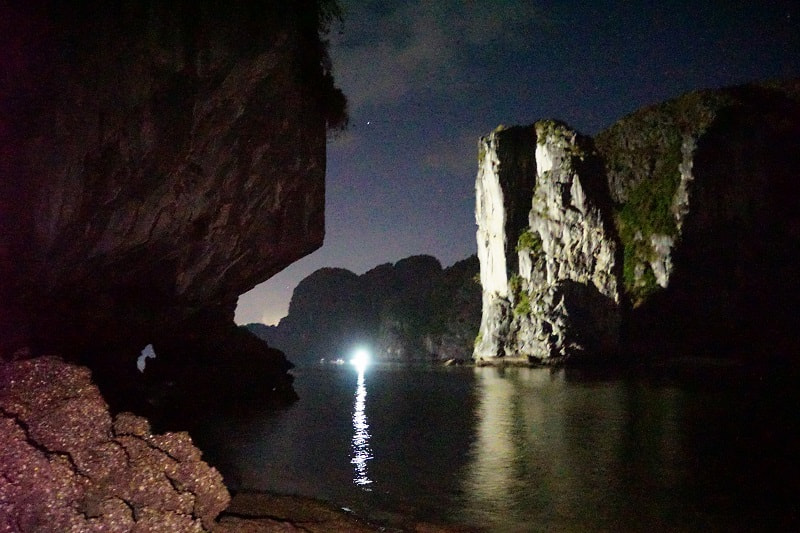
(518, 450)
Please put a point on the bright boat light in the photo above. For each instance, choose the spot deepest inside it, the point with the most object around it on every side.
(360, 359)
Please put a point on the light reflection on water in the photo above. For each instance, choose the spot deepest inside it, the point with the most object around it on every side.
(361, 452)
(514, 450)
(580, 456)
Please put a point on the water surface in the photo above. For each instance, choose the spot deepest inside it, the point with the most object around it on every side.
(514, 450)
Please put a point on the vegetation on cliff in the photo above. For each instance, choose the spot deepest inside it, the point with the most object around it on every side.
(530, 241)
(693, 198)
(643, 154)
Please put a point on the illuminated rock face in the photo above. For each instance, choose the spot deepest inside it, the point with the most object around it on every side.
(162, 160)
(566, 298)
(676, 226)
(503, 188)
(561, 298)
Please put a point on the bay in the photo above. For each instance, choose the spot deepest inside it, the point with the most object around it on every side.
(518, 449)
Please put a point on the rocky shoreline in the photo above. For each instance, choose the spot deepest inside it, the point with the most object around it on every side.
(68, 464)
(256, 512)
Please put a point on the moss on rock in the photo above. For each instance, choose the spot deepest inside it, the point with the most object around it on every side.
(523, 307)
(643, 153)
(530, 241)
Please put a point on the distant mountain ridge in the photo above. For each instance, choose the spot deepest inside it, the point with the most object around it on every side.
(412, 310)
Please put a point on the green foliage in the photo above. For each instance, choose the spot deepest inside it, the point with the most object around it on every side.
(523, 307)
(637, 253)
(648, 209)
(515, 284)
(647, 212)
(643, 153)
(546, 128)
(478, 339)
(629, 262)
(647, 284)
(329, 13)
(520, 296)
(322, 15)
(531, 241)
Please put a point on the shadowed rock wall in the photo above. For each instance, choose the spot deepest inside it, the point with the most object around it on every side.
(158, 160)
(733, 282)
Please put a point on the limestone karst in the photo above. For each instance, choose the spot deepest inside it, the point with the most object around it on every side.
(673, 232)
(412, 310)
(158, 160)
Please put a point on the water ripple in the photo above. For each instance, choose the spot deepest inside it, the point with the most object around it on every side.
(360, 444)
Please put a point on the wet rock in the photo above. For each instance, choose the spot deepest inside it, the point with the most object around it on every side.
(252, 512)
(260, 512)
(65, 465)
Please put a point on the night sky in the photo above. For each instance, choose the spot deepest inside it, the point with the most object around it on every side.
(425, 79)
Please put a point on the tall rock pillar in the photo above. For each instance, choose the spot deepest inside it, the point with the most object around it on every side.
(503, 189)
(567, 295)
(549, 266)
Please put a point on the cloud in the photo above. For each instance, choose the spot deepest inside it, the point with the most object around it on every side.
(385, 55)
(404, 49)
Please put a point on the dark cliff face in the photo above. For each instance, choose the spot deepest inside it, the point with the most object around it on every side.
(455, 311)
(516, 169)
(412, 310)
(158, 160)
(734, 284)
(710, 174)
(327, 315)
